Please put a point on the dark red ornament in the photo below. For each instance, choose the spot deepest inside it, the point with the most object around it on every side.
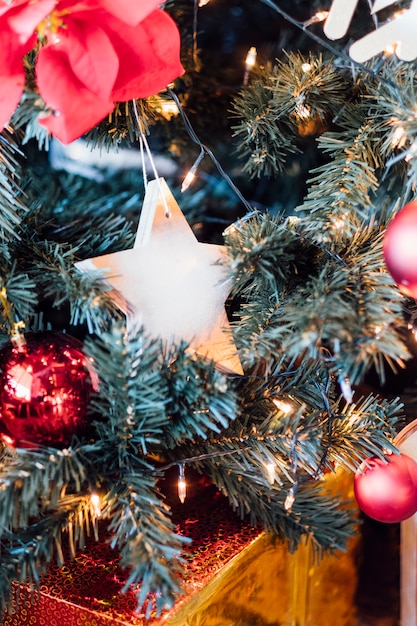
(400, 249)
(45, 388)
(387, 490)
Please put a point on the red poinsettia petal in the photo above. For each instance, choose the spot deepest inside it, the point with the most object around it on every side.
(90, 53)
(149, 55)
(130, 11)
(12, 80)
(77, 109)
(22, 17)
(12, 75)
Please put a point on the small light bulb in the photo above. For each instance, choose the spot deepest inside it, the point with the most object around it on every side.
(339, 223)
(168, 108)
(182, 485)
(320, 16)
(95, 503)
(289, 501)
(202, 3)
(303, 111)
(398, 136)
(390, 50)
(285, 407)
(189, 178)
(191, 174)
(270, 472)
(306, 67)
(251, 58)
(346, 389)
(249, 63)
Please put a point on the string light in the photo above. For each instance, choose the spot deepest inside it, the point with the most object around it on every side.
(398, 136)
(182, 485)
(339, 223)
(346, 389)
(167, 108)
(318, 17)
(202, 3)
(290, 499)
(249, 63)
(285, 407)
(190, 176)
(95, 503)
(270, 472)
(306, 67)
(303, 111)
(390, 50)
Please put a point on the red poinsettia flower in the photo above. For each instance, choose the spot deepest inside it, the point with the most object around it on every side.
(92, 53)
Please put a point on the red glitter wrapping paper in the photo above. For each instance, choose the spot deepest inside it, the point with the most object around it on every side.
(234, 575)
(86, 590)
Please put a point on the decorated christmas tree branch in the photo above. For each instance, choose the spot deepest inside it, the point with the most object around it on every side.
(12, 206)
(283, 103)
(145, 538)
(364, 428)
(335, 329)
(26, 552)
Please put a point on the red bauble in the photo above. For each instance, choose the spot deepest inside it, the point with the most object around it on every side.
(387, 491)
(45, 388)
(400, 249)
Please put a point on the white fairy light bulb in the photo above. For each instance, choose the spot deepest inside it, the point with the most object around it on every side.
(249, 63)
(398, 136)
(318, 17)
(390, 50)
(251, 58)
(285, 407)
(182, 485)
(339, 223)
(189, 178)
(270, 472)
(95, 503)
(289, 500)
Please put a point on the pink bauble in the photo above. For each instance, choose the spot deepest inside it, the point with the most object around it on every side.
(45, 388)
(387, 490)
(400, 249)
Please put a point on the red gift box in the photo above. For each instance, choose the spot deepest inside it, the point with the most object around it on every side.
(87, 589)
(234, 574)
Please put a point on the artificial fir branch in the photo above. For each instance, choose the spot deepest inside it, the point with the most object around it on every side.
(313, 310)
(263, 137)
(298, 96)
(12, 205)
(145, 537)
(195, 388)
(331, 303)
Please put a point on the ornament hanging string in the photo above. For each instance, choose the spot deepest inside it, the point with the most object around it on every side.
(144, 142)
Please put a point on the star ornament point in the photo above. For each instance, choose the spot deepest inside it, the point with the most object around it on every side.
(170, 283)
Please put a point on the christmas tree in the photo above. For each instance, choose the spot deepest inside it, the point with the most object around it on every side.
(289, 148)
